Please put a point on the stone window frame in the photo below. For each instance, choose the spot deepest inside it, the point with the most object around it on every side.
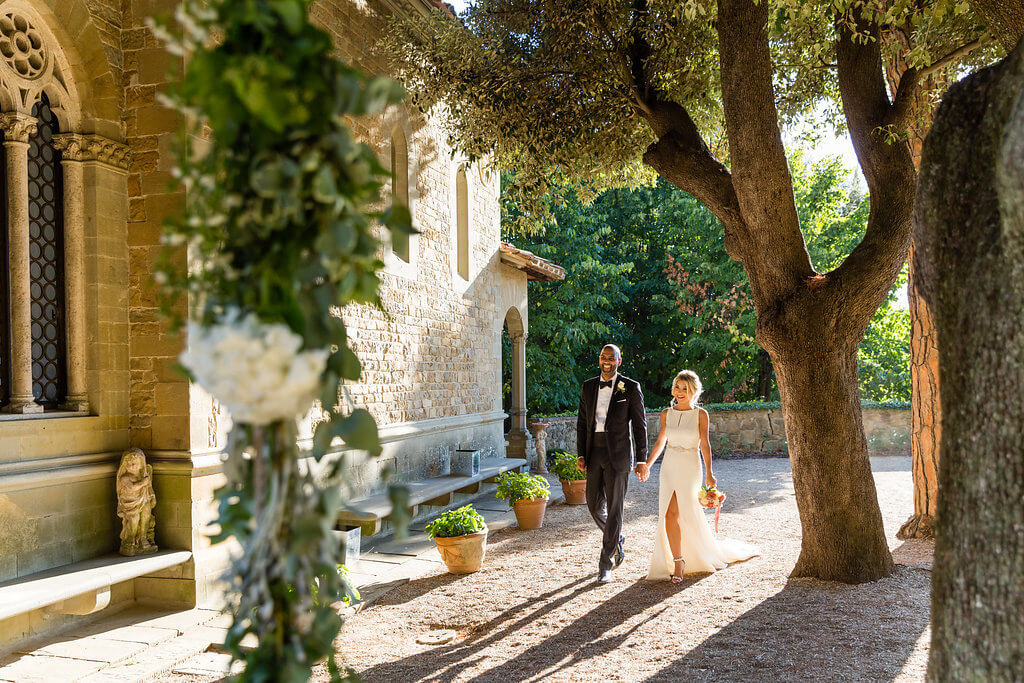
(80, 151)
(397, 118)
(461, 281)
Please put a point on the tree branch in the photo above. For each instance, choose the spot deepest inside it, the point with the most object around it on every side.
(682, 158)
(956, 54)
(760, 170)
(861, 283)
(911, 78)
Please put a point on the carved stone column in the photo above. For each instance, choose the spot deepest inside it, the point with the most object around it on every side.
(517, 435)
(76, 152)
(17, 129)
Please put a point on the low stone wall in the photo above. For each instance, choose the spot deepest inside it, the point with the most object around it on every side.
(732, 431)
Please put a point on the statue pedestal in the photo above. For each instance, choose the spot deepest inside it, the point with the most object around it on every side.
(516, 440)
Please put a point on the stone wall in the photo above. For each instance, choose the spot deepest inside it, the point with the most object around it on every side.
(159, 394)
(56, 469)
(432, 358)
(738, 431)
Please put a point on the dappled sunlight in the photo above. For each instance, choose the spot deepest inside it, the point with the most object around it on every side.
(536, 612)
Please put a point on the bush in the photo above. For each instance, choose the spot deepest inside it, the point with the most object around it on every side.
(565, 465)
(516, 486)
(460, 522)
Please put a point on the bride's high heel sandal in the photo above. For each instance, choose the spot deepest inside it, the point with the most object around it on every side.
(678, 579)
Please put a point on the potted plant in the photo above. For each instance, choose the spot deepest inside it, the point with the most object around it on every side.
(461, 538)
(574, 480)
(528, 496)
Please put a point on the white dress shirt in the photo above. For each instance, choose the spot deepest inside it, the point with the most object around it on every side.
(604, 400)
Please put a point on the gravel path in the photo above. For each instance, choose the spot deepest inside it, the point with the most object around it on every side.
(534, 611)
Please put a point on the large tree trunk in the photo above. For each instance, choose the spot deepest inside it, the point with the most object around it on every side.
(810, 323)
(843, 538)
(969, 223)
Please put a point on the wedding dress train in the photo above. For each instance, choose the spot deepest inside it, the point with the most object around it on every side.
(681, 474)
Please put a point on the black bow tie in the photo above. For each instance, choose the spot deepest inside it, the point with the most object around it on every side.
(605, 383)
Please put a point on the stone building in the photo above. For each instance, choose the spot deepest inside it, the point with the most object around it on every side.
(86, 366)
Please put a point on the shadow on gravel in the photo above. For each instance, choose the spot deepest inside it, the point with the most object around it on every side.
(416, 588)
(580, 640)
(816, 630)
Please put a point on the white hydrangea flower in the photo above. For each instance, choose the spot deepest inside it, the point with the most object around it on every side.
(254, 369)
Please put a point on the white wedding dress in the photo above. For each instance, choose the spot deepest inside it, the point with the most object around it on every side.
(681, 473)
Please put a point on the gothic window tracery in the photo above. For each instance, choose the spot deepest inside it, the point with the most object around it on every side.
(46, 251)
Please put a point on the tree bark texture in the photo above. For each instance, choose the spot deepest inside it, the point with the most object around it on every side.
(925, 413)
(841, 523)
(969, 225)
(809, 323)
(925, 409)
(1004, 18)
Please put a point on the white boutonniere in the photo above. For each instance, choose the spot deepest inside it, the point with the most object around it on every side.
(620, 387)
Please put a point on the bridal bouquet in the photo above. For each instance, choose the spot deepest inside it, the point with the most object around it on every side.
(711, 498)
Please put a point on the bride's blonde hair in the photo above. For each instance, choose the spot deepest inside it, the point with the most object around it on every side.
(691, 378)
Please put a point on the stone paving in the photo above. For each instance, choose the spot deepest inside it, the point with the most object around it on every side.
(157, 644)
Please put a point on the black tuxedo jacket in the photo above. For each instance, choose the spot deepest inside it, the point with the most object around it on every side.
(625, 425)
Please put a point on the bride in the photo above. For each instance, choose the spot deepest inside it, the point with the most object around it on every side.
(684, 542)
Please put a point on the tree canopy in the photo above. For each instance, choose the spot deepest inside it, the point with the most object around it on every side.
(503, 70)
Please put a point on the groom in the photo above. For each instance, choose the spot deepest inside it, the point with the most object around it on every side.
(611, 428)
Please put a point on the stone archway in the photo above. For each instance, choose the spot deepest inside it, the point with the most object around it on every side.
(517, 435)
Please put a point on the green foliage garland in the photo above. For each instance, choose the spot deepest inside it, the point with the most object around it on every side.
(277, 227)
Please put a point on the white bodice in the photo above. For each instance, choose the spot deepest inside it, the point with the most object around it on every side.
(681, 428)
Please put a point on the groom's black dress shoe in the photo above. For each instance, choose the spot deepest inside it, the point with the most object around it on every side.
(604, 576)
(620, 554)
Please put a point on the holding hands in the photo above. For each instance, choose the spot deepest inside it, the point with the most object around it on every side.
(643, 471)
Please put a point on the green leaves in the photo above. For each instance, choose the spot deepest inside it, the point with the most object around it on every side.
(460, 522)
(282, 201)
(647, 269)
(516, 486)
(357, 430)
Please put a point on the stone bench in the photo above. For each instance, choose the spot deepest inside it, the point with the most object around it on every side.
(368, 513)
(82, 587)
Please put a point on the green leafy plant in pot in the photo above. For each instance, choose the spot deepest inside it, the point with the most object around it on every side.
(528, 496)
(461, 538)
(574, 480)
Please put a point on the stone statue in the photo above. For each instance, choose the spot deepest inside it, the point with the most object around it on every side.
(539, 431)
(135, 503)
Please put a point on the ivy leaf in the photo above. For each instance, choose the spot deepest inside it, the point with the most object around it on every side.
(359, 431)
(292, 13)
(399, 497)
(324, 188)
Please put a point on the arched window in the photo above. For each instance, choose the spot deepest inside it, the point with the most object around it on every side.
(400, 187)
(46, 265)
(462, 223)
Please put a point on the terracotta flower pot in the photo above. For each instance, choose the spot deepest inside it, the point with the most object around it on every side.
(530, 512)
(463, 554)
(575, 491)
